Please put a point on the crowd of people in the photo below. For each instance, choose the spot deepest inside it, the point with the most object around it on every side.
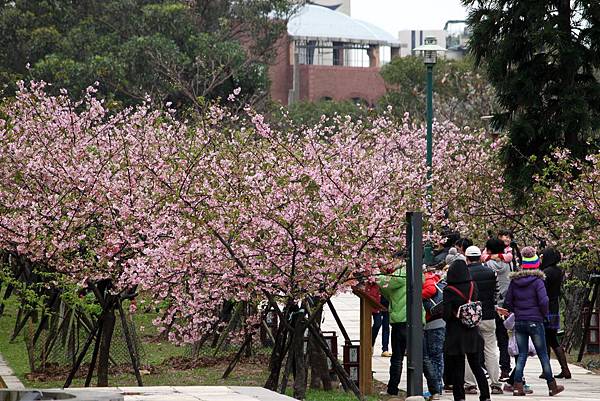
(483, 309)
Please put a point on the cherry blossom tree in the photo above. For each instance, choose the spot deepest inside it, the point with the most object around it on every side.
(226, 208)
(72, 199)
(570, 211)
(281, 217)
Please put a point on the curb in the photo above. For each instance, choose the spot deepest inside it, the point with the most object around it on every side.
(7, 377)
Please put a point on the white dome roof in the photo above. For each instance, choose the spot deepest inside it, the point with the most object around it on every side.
(315, 22)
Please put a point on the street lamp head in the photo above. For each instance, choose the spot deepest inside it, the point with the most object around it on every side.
(430, 50)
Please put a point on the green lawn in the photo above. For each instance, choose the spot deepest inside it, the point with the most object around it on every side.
(14, 353)
(158, 362)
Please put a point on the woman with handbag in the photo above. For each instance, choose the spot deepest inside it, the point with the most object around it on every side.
(527, 299)
(461, 339)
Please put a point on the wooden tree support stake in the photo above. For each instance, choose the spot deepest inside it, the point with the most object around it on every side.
(130, 346)
(90, 373)
(237, 357)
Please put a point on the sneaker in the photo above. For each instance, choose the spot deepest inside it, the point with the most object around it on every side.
(496, 390)
(447, 388)
(508, 388)
(386, 354)
(470, 389)
(527, 389)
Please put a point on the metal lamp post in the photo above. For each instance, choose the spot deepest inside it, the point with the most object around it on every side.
(429, 51)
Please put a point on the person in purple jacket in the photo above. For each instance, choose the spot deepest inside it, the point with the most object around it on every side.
(527, 299)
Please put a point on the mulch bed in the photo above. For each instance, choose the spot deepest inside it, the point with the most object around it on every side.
(55, 372)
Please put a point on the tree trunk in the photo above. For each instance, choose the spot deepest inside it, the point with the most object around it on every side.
(108, 326)
(289, 362)
(277, 356)
(299, 362)
(248, 352)
(319, 371)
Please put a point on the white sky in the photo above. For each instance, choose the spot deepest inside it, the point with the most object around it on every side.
(396, 15)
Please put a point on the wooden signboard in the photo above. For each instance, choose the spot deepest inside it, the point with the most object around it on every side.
(365, 371)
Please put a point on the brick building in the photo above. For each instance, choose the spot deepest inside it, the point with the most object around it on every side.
(329, 55)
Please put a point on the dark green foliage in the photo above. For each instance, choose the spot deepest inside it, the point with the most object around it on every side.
(461, 93)
(321, 112)
(178, 51)
(541, 57)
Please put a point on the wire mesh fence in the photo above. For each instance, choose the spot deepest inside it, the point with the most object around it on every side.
(62, 337)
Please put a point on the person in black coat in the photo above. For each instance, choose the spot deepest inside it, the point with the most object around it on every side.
(487, 294)
(461, 340)
(554, 278)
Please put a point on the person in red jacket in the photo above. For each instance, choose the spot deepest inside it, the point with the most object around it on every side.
(433, 339)
(381, 320)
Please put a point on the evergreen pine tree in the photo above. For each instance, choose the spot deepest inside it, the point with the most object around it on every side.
(542, 58)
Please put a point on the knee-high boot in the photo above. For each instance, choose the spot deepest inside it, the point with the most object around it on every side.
(565, 373)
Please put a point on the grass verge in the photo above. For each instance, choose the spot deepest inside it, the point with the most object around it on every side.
(164, 364)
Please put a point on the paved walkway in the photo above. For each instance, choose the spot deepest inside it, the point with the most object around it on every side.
(197, 393)
(184, 393)
(583, 386)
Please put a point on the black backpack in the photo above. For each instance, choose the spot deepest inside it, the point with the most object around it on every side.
(434, 306)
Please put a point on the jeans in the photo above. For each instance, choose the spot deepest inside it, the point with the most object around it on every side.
(502, 338)
(456, 373)
(487, 329)
(511, 378)
(381, 320)
(525, 329)
(398, 351)
(433, 359)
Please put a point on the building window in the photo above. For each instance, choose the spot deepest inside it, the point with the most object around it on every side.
(338, 53)
(323, 52)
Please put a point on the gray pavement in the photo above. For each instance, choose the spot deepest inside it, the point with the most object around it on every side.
(191, 393)
(167, 393)
(583, 386)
